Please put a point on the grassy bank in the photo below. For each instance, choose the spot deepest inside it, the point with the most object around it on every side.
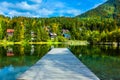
(77, 42)
(69, 42)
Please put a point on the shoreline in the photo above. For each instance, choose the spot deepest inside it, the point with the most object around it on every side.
(70, 42)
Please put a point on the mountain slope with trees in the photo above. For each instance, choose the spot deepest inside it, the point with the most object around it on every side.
(110, 9)
(105, 19)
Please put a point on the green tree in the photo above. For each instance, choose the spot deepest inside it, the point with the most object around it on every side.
(1, 31)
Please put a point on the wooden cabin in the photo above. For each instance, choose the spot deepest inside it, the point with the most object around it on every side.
(10, 32)
(52, 35)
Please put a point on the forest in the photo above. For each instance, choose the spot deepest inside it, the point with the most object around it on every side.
(60, 29)
(98, 25)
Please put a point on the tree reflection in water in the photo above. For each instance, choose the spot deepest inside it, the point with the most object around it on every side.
(104, 61)
(11, 66)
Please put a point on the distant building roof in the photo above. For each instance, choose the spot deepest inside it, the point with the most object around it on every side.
(10, 30)
(66, 35)
(65, 31)
(53, 34)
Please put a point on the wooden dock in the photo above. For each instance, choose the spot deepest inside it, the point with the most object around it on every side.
(58, 64)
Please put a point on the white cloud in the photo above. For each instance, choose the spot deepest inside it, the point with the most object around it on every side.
(96, 5)
(105, 0)
(26, 6)
(73, 11)
(6, 4)
(29, 10)
(4, 7)
(37, 9)
(37, 1)
(11, 9)
(1, 13)
(45, 12)
(15, 13)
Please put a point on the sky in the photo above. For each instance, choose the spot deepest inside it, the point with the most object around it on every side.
(47, 8)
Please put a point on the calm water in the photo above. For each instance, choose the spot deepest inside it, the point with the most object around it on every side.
(104, 61)
(14, 60)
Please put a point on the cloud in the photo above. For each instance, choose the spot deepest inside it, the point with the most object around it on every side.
(6, 4)
(36, 1)
(1, 12)
(45, 12)
(25, 6)
(15, 13)
(28, 10)
(40, 8)
(105, 0)
(96, 5)
(73, 12)
(5, 7)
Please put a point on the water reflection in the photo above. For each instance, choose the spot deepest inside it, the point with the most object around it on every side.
(32, 49)
(14, 60)
(104, 61)
(6, 70)
(10, 51)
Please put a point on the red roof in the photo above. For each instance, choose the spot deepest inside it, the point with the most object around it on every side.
(10, 54)
(10, 30)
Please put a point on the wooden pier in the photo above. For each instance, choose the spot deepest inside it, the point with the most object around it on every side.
(58, 64)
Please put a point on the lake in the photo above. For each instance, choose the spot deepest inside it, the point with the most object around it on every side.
(104, 61)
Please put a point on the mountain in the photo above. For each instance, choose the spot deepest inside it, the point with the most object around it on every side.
(109, 9)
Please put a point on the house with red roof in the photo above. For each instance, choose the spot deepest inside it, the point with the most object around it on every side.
(10, 33)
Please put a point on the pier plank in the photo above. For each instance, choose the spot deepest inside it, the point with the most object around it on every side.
(58, 64)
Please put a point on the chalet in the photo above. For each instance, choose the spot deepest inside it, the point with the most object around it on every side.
(65, 33)
(33, 39)
(52, 35)
(10, 32)
(33, 36)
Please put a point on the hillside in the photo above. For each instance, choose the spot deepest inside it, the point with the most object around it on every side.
(110, 9)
